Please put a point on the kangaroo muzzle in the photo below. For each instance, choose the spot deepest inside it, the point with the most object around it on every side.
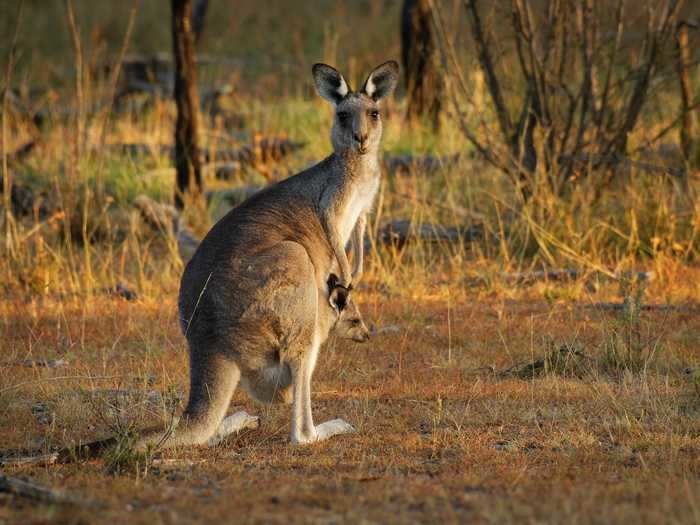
(360, 140)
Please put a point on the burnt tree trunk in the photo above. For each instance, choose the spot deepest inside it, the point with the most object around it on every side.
(689, 133)
(419, 54)
(199, 15)
(187, 162)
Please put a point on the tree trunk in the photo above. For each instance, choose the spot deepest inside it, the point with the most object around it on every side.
(419, 54)
(187, 163)
(199, 14)
(689, 137)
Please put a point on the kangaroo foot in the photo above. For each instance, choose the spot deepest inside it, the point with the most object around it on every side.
(332, 428)
(232, 424)
(324, 431)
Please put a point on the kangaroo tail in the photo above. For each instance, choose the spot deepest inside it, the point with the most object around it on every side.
(212, 382)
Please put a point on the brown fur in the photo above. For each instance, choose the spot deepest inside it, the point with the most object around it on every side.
(255, 303)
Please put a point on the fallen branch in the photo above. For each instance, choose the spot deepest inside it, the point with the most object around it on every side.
(564, 360)
(166, 219)
(38, 363)
(36, 492)
(261, 151)
(570, 274)
(19, 461)
(159, 216)
(422, 164)
(615, 307)
(402, 231)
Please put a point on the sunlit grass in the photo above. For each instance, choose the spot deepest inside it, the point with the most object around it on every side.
(438, 413)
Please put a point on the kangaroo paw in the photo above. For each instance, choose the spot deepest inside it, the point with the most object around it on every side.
(232, 424)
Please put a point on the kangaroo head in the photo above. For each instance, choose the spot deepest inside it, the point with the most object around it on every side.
(357, 124)
(350, 324)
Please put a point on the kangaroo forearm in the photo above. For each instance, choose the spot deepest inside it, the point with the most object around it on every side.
(343, 264)
(358, 259)
(338, 248)
(358, 248)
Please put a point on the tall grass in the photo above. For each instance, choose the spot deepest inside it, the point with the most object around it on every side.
(92, 237)
(644, 221)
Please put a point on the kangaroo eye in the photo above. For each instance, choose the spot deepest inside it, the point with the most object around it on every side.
(355, 322)
(374, 114)
(343, 117)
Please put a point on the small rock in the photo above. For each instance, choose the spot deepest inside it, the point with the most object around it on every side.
(43, 414)
(43, 363)
(121, 290)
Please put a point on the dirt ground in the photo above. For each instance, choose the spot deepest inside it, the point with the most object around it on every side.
(450, 427)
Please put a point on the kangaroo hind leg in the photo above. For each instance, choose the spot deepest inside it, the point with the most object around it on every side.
(213, 379)
(303, 429)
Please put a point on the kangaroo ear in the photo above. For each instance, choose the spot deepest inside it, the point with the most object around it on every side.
(337, 295)
(339, 298)
(381, 81)
(332, 281)
(329, 83)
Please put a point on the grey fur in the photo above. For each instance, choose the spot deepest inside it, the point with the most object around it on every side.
(254, 299)
(351, 178)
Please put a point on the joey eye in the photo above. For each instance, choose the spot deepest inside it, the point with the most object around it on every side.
(355, 322)
(343, 117)
(374, 114)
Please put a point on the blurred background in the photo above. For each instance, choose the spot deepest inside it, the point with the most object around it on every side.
(275, 40)
(524, 134)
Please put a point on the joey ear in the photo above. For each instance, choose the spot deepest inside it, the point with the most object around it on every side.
(332, 281)
(339, 298)
(381, 81)
(330, 84)
(337, 295)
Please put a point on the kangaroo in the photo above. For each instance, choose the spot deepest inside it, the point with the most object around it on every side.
(259, 282)
(259, 278)
(269, 281)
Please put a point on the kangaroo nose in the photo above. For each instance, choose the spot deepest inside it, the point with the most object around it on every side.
(360, 138)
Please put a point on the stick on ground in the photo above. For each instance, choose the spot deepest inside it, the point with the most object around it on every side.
(36, 492)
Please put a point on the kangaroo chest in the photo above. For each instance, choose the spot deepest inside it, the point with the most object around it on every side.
(358, 202)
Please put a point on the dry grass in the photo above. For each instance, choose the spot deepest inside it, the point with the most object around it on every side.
(444, 435)
(441, 435)
(452, 424)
